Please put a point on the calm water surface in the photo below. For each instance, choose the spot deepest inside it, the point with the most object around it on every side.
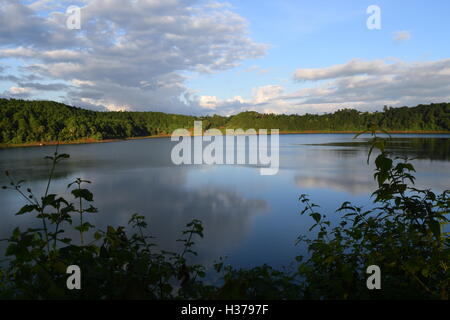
(250, 218)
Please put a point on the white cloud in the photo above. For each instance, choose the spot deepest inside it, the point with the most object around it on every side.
(376, 83)
(18, 90)
(43, 86)
(127, 53)
(79, 83)
(402, 36)
(351, 68)
(263, 99)
(256, 69)
(266, 93)
(363, 85)
(208, 102)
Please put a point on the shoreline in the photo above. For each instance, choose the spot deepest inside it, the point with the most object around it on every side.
(91, 141)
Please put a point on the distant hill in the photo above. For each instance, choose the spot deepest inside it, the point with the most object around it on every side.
(24, 121)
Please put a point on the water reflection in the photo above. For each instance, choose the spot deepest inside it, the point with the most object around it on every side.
(251, 218)
(146, 183)
(352, 184)
(162, 196)
(341, 164)
(434, 148)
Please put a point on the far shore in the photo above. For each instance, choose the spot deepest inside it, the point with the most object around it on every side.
(90, 140)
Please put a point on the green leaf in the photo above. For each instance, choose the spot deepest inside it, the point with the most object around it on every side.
(83, 193)
(382, 177)
(84, 227)
(435, 228)
(25, 209)
(97, 235)
(16, 233)
(62, 156)
(49, 200)
(383, 163)
(316, 216)
(91, 209)
(201, 274)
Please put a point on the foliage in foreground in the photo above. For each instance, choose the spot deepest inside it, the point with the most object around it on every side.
(404, 235)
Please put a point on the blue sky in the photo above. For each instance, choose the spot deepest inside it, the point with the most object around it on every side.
(317, 34)
(204, 57)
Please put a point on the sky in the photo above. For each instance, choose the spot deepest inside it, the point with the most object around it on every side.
(204, 57)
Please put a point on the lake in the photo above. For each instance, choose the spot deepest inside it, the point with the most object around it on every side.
(250, 218)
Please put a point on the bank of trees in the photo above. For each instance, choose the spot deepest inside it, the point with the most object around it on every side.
(433, 117)
(29, 121)
(24, 121)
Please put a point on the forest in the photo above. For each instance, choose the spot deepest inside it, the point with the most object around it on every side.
(23, 121)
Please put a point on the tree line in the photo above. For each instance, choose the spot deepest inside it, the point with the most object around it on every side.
(23, 121)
